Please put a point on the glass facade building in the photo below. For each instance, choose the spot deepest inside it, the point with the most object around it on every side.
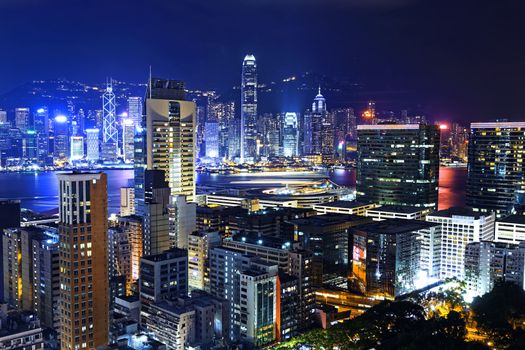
(496, 171)
(249, 109)
(398, 164)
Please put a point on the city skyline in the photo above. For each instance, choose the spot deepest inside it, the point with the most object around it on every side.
(384, 51)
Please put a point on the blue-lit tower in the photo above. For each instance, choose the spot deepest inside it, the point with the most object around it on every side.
(249, 110)
(109, 132)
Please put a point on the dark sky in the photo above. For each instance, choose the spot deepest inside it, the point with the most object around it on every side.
(465, 58)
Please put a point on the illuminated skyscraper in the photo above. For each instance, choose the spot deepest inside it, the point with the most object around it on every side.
(211, 137)
(135, 110)
(60, 137)
(249, 110)
(3, 117)
(290, 135)
(168, 141)
(77, 148)
(22, 119)
(84, 282)
(318, 128)
(128, 139)
(110, 132)
(398, 164)
(92, 142)
(496, 171)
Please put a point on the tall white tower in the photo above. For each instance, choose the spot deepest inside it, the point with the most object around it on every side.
(109, 118)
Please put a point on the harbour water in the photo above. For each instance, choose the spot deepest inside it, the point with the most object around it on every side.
(38, 191)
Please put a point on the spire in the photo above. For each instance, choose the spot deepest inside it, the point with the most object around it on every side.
(319, 91)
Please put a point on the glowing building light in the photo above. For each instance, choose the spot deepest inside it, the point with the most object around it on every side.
(60, 119)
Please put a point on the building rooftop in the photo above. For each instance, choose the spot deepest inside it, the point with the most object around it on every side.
(173, 253)
(395, 226)
(345, 204)
(398, 209)
(514, 219)
(457, 211)
(329, 219)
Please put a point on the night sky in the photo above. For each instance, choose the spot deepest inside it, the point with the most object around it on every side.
(464, 58)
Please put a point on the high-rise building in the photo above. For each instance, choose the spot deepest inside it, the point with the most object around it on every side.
(3, 117)
(290, 135)
(398, 164)
(183, 221)
(92, 144)
(168, 141)
(199, 244)
(22, 119)
(127, 201)
(163, 276)
(84, 281)
(211, 137)
(109, 132)
(156, 218)
(249, 110)
(60, 137)
(77, 148)
(459, 227)
(510, 229)
(135, 110)
(30, 146)
(133, 225)
(128, 140)
(487, 263)
(496, 171)
(387, 257)
(9, 217)
(249, 286)
(31, 268)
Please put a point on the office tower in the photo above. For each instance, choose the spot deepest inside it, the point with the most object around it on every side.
(211, 137)
(41, 126)
(271, 134)
(387, 256)
(496, 173)
(249, 110)
(199, 244)
(31, 268)
(120, 262)
(60, 137)
(9, 217)
(183, 219)
(368, 116)
(460, 226)
(199, 131)
(3, 117)
(327, 236)
(135, 110)
(127, 201)
(83, 250)
(249, 286)
(398, 164)
(109, 131)
(22, 119)
(234, 139)
(92, 144)
(290, 135)
(128, 140)
(225, 113)
(77, 148)
(30, 146)
(319, 129)
(292, 262)
(164, 276)
(345, 128)
(156, 218)
(133, 226)
(510, 229)
(168, 141)
(488, 263)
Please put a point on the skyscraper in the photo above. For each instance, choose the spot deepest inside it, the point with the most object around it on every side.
(128, 141)
(249, 110)
(168, 141)
(135, 110)
(290, 135)
(211, 137)
(110, 132)
(398, 164)
(77, 148)
(84, 282)
(22, 119)
(92, 144)
(496, 171)
(318, 129)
